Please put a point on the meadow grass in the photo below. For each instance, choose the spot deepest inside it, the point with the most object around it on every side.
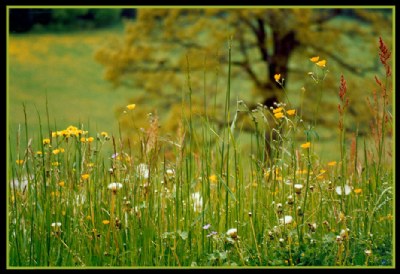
(201, 198)
(49, 68)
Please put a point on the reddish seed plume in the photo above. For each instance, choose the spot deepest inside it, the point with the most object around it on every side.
(378, 81)
(384, 55)
(343, 88)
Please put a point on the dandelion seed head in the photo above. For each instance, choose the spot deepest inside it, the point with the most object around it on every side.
(298, 188)
(170, 171)
(286, 220)
(114, 186)
(232, 232)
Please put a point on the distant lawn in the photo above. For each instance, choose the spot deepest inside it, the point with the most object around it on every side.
(62, 66)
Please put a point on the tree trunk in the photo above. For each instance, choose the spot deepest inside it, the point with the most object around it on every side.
(278, 64)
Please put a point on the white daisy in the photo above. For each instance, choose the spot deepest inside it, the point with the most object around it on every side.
(339, 190)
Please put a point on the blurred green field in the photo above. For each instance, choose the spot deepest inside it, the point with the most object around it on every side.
(61, 68)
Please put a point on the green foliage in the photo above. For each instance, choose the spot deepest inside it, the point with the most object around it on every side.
(152, 55)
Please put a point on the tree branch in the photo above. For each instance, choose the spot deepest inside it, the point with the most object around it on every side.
(246, 63)
(324, 17)
(261, 38)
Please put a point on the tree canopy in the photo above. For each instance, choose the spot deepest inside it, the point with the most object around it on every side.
(163, 47)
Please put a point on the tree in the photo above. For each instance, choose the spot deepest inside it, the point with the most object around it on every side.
(162, 47)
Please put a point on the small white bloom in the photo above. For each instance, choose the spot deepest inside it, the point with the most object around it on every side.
(170, 171)
(286, 220)
(368, 252)
(58, 224)
(114, 186)
(143, 171)
(232, 232)
(339, 190)
(297, 188)
(19, 185)
(288, 182)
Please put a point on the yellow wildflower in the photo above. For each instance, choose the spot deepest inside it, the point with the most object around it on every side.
(277, 110)
(306, 145)
(314, 59)
(321, 63)
(19, 162)
(291, 112)
(131, 106)
(278, 115)
(55, 163)
(277, 77)
(61, 184)
(104, 134)
(303, 171)
(213, 178)
(83, 139)
(357, 190)
(56, 151)
(65, 133)
(46, 141)
(54, 134)
(333, 163)
(90, 139)
(39, 152)
(85, 176)
(106, 222)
